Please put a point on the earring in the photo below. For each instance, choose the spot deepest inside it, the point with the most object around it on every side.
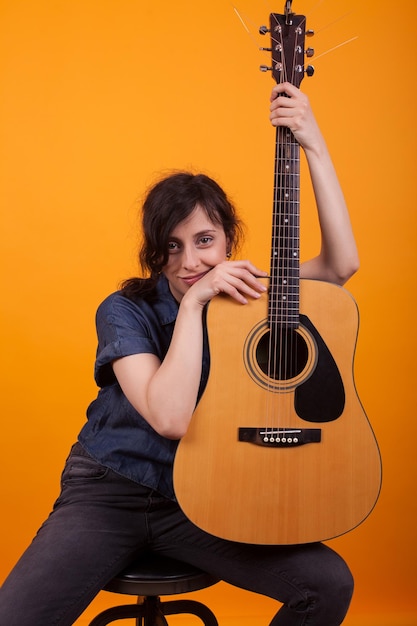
(228, 255)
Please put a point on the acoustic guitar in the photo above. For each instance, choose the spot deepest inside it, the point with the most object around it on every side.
(279, 449)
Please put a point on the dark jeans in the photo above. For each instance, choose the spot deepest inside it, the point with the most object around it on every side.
(102, 521)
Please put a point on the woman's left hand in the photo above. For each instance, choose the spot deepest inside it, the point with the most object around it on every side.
(290, 107)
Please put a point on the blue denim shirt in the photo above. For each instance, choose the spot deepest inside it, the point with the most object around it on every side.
(115, 434)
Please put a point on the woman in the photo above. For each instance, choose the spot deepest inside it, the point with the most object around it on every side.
(117, 497)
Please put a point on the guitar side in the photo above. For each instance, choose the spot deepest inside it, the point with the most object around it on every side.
(277, 494)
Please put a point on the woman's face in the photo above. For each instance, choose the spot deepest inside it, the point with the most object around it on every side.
(196, 245)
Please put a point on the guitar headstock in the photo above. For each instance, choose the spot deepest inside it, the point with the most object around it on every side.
(288, 33)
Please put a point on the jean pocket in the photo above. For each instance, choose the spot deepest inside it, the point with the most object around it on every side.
(82, 469)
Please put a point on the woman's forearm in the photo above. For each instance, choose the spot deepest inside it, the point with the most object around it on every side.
(338, 257)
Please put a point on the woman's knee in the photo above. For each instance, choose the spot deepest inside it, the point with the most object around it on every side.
(334, 590)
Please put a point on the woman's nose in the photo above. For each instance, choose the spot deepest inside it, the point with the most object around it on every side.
(190, 259)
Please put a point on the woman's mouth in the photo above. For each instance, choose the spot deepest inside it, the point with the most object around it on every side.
(190, 280)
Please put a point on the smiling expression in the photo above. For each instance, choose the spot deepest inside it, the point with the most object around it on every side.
(195, 246)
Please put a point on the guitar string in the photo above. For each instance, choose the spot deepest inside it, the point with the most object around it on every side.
(276, 324)
(272, 348)
(294, 205)
(294, 197)
(295, 208)
(277, 310)
(283, 341)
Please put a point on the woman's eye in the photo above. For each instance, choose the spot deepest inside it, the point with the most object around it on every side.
(206, 240)
(172, 246)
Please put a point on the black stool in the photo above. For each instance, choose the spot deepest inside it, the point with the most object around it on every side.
(148, 578)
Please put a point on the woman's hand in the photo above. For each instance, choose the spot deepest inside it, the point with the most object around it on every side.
(237, 279)
(295, 113)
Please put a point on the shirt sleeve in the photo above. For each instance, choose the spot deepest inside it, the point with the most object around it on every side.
(123, 328)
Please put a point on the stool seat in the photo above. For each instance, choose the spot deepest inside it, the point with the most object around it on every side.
(153, 575)
(156, 575)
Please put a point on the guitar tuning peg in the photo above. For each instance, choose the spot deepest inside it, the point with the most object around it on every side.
(265, 49)
(309, 32)
(263, 30)
(310, 52)
(309, 70)
(265, 68)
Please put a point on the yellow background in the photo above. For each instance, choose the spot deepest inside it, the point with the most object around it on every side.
(98, 96)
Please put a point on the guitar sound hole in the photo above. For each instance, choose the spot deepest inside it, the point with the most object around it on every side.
(282, 355)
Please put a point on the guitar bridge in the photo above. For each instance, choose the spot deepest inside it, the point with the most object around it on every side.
(280, 437)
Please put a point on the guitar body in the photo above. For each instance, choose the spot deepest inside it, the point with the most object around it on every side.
(279, 450)
(250, 468)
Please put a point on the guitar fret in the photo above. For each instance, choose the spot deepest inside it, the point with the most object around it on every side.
(284, 309)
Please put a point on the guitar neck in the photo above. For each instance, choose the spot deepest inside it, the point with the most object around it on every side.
(283, 308)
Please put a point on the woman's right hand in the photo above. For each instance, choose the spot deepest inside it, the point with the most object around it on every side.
(237, 279)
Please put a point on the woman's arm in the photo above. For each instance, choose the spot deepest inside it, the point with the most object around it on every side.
(165, 394)
(338, 258)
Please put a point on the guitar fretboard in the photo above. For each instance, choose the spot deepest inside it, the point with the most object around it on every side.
(284, 302)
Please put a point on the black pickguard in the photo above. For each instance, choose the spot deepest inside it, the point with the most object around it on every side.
(321, 398)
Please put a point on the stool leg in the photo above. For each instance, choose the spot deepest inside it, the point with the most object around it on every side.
(113, 614)
(173, 607)
(148, 612)
(152, 614)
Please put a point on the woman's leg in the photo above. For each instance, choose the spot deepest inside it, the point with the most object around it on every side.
(312, 582)
(101, 521)
(97, 525)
